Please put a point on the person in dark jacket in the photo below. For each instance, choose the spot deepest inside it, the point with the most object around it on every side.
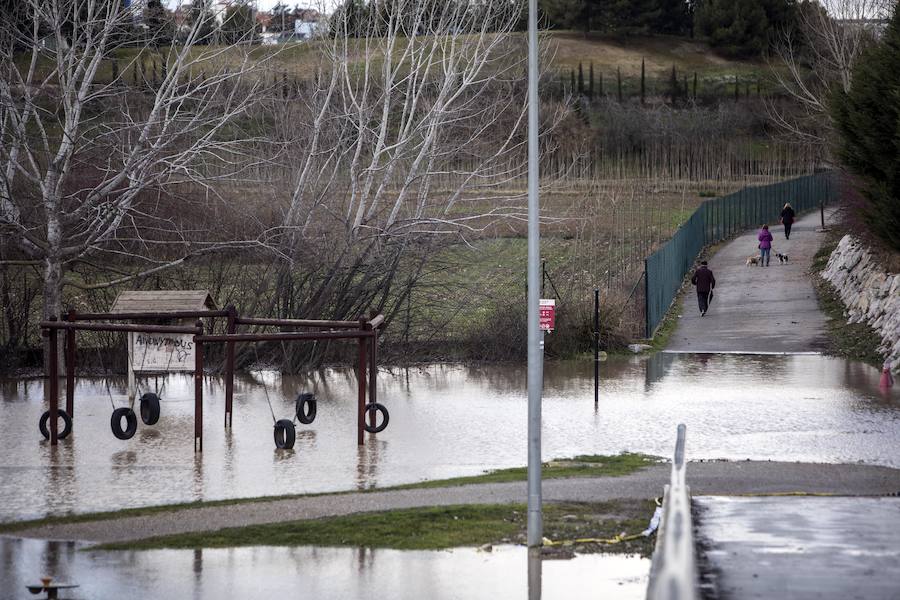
(787, 219)
(705, 281)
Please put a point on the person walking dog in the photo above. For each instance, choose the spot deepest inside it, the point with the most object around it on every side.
(705, 281)
(765, 245)
(787, 219)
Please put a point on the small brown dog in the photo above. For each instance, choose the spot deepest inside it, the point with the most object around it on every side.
(752, 260)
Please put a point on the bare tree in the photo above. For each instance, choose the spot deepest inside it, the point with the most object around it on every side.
(410, 132)
(85, 155)
(819, 56)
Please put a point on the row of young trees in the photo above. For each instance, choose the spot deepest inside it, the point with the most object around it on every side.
(674, 86)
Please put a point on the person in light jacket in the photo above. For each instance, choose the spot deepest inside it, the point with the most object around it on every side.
(765, 245)
(705, 281)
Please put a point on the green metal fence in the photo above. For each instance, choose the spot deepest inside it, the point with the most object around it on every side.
(719, 219)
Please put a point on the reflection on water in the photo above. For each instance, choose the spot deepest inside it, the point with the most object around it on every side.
(310, 572)
(446, 420)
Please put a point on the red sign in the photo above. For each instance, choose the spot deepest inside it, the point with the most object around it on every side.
(548, 314)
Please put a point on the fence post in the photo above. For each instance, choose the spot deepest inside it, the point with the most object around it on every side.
(647, 298)
(596, 345)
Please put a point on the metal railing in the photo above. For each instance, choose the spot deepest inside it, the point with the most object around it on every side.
(673, 572)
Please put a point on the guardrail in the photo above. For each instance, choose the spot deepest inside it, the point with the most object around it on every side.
(673, 572)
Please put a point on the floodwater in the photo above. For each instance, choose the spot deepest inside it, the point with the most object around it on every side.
(445, 420)
(326, 573)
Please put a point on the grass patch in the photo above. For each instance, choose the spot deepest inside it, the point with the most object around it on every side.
(431, 528)
(856, 341)
(580, 466)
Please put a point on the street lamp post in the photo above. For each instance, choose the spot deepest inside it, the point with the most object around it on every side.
(535, 335)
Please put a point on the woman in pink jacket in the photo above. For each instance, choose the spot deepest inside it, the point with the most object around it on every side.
(765, 245)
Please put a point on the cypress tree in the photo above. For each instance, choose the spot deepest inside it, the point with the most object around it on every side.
(737, 89)
(643, 82)
(591, 81)
(684, 90)
(600, 87)
(572, 81)
(136, 72)
(673, 85)
(580, 79)
(115, 69)
(619, 82)
(695, 85)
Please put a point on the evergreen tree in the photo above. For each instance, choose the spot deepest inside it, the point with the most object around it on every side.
(201, 12)
(591, 81)
(868, 121)
(571, 14)
(643, 82)
(238, 24)
(160, 23)
(282, 18)
(673, 85)
(580, 80)
(619, 83)
(743, 28)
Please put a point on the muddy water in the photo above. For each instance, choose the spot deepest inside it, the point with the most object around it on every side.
(446, 420)
(327, 573)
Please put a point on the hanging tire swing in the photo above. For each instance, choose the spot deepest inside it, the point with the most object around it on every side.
(371, 420)
(305, 408)
(115, 423)
(62, 433)
(149, 408)
(285, 434)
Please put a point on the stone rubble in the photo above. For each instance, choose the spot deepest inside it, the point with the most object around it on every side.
(869, 294)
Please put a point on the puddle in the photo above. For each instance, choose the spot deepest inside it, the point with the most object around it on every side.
(509, 572)
(446, 420)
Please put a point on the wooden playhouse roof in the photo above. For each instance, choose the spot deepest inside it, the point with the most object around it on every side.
(162, 301)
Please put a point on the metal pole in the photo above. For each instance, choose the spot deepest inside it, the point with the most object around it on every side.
(70, 367)
(229, 366)
(596, 346)
(373, 363)
(198, 391)
(361, 396)
(535, 336)
(54, 386)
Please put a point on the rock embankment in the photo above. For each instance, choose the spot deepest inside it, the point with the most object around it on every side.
(869, 293)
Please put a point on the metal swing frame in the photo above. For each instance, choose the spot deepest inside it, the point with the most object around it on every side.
(365, 331)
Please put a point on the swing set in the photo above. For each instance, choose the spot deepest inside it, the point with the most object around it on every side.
(372, 417)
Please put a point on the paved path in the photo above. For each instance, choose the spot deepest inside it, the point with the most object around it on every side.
(708, 478)
(758, 309)
(799, 548)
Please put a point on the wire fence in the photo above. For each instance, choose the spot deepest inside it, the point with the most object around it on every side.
(719, 219)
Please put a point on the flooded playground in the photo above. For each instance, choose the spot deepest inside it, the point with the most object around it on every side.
(445, 420)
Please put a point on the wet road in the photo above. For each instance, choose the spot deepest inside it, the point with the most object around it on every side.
(446, 420)
(800, 548)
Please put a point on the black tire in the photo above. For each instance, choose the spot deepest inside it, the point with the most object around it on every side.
(373, 409)
(305, 408)
(149, 408)
(67, 424)
(285, 434)
(115, 423)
